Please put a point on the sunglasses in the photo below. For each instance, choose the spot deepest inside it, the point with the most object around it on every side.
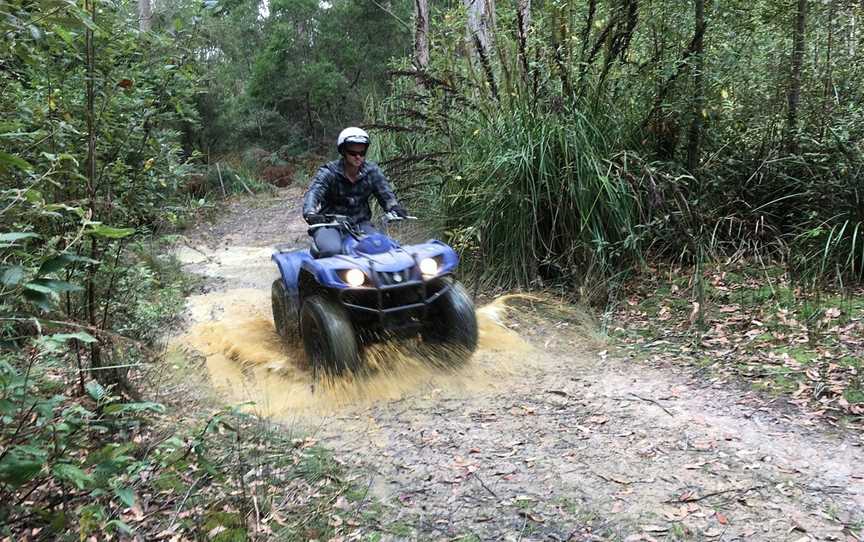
(355, 153)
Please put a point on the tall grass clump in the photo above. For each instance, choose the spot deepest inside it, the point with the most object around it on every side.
(828, 243)
(833, 249)
(530, 189)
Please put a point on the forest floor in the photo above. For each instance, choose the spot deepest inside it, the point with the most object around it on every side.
(552, 432)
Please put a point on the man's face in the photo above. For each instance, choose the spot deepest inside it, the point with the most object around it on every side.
(354, 154)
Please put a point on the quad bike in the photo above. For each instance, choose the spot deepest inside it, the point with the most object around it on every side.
(376, 290)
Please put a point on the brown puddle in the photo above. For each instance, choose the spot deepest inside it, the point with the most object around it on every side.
(247, 361)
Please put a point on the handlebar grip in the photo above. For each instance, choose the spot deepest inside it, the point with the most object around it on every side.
(326, 225)
(391, 217)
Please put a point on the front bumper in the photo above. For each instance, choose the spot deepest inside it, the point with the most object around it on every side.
(390, 305)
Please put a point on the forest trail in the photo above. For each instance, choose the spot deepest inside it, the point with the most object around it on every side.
(545, 435)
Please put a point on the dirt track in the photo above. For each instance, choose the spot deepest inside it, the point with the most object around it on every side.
(543, 437)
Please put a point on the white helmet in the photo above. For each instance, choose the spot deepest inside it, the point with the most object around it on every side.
(352, 135)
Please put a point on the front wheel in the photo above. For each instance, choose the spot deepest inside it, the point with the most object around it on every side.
(451, 327)
(328, 337)
(284, 312)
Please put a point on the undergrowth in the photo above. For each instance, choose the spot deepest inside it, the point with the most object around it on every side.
(81, 460)
(756, 322)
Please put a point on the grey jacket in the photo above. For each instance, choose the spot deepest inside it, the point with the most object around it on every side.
(332, 193)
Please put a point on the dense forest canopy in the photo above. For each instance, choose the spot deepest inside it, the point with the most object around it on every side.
(296, 72)
(549, 141)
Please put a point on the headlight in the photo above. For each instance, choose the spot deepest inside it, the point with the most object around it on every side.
(428, 266)
(355, 277)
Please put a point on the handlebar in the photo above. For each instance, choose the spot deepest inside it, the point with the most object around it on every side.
(331, 221)
(393, 217)
(336, 221)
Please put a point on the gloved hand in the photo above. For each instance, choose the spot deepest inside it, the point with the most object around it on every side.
(313, 218)
(399, 211)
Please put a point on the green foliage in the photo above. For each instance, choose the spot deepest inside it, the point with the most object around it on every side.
(240, 180)
(320, 61)
(66, 440)
(758, 188)
(86, 290)
(531, 191)
(151, 289)
(59, 221)
(54, 446)
(295, 76)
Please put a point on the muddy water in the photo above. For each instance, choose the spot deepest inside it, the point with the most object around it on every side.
(247, 361)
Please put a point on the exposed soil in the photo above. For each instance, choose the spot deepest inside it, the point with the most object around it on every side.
(547, 434)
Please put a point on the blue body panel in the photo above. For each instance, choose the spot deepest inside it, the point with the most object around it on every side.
(289, 264)
(326, 270)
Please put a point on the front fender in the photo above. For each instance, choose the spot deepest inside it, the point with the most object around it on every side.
(289, 264)
(448, 259)
(325, 271)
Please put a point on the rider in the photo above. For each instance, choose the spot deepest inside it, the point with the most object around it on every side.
(343, 187)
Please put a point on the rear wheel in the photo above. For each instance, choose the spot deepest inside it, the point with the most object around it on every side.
(451, 327)
(328, 337)
(284, 312)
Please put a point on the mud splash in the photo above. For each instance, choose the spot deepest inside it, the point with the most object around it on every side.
(247, 362)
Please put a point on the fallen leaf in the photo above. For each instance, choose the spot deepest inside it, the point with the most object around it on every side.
(533, 517)
(796, 524)
(721, 519)
(687, 495)
(505, 468)
(832, 313)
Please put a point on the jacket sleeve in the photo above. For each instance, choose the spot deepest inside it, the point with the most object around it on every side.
(383, 192)
(314, 198)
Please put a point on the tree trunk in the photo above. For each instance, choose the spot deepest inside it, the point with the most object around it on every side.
(827, 78)
(624, 22)
(523, 23)
(421, 35)
(561, 46)
(105, 377)
(145, 15)
(479, 37)
(478, 24)
(666, 87)
(695, 136)
(795, 80)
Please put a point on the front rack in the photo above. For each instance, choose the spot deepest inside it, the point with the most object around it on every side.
(347, 296)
